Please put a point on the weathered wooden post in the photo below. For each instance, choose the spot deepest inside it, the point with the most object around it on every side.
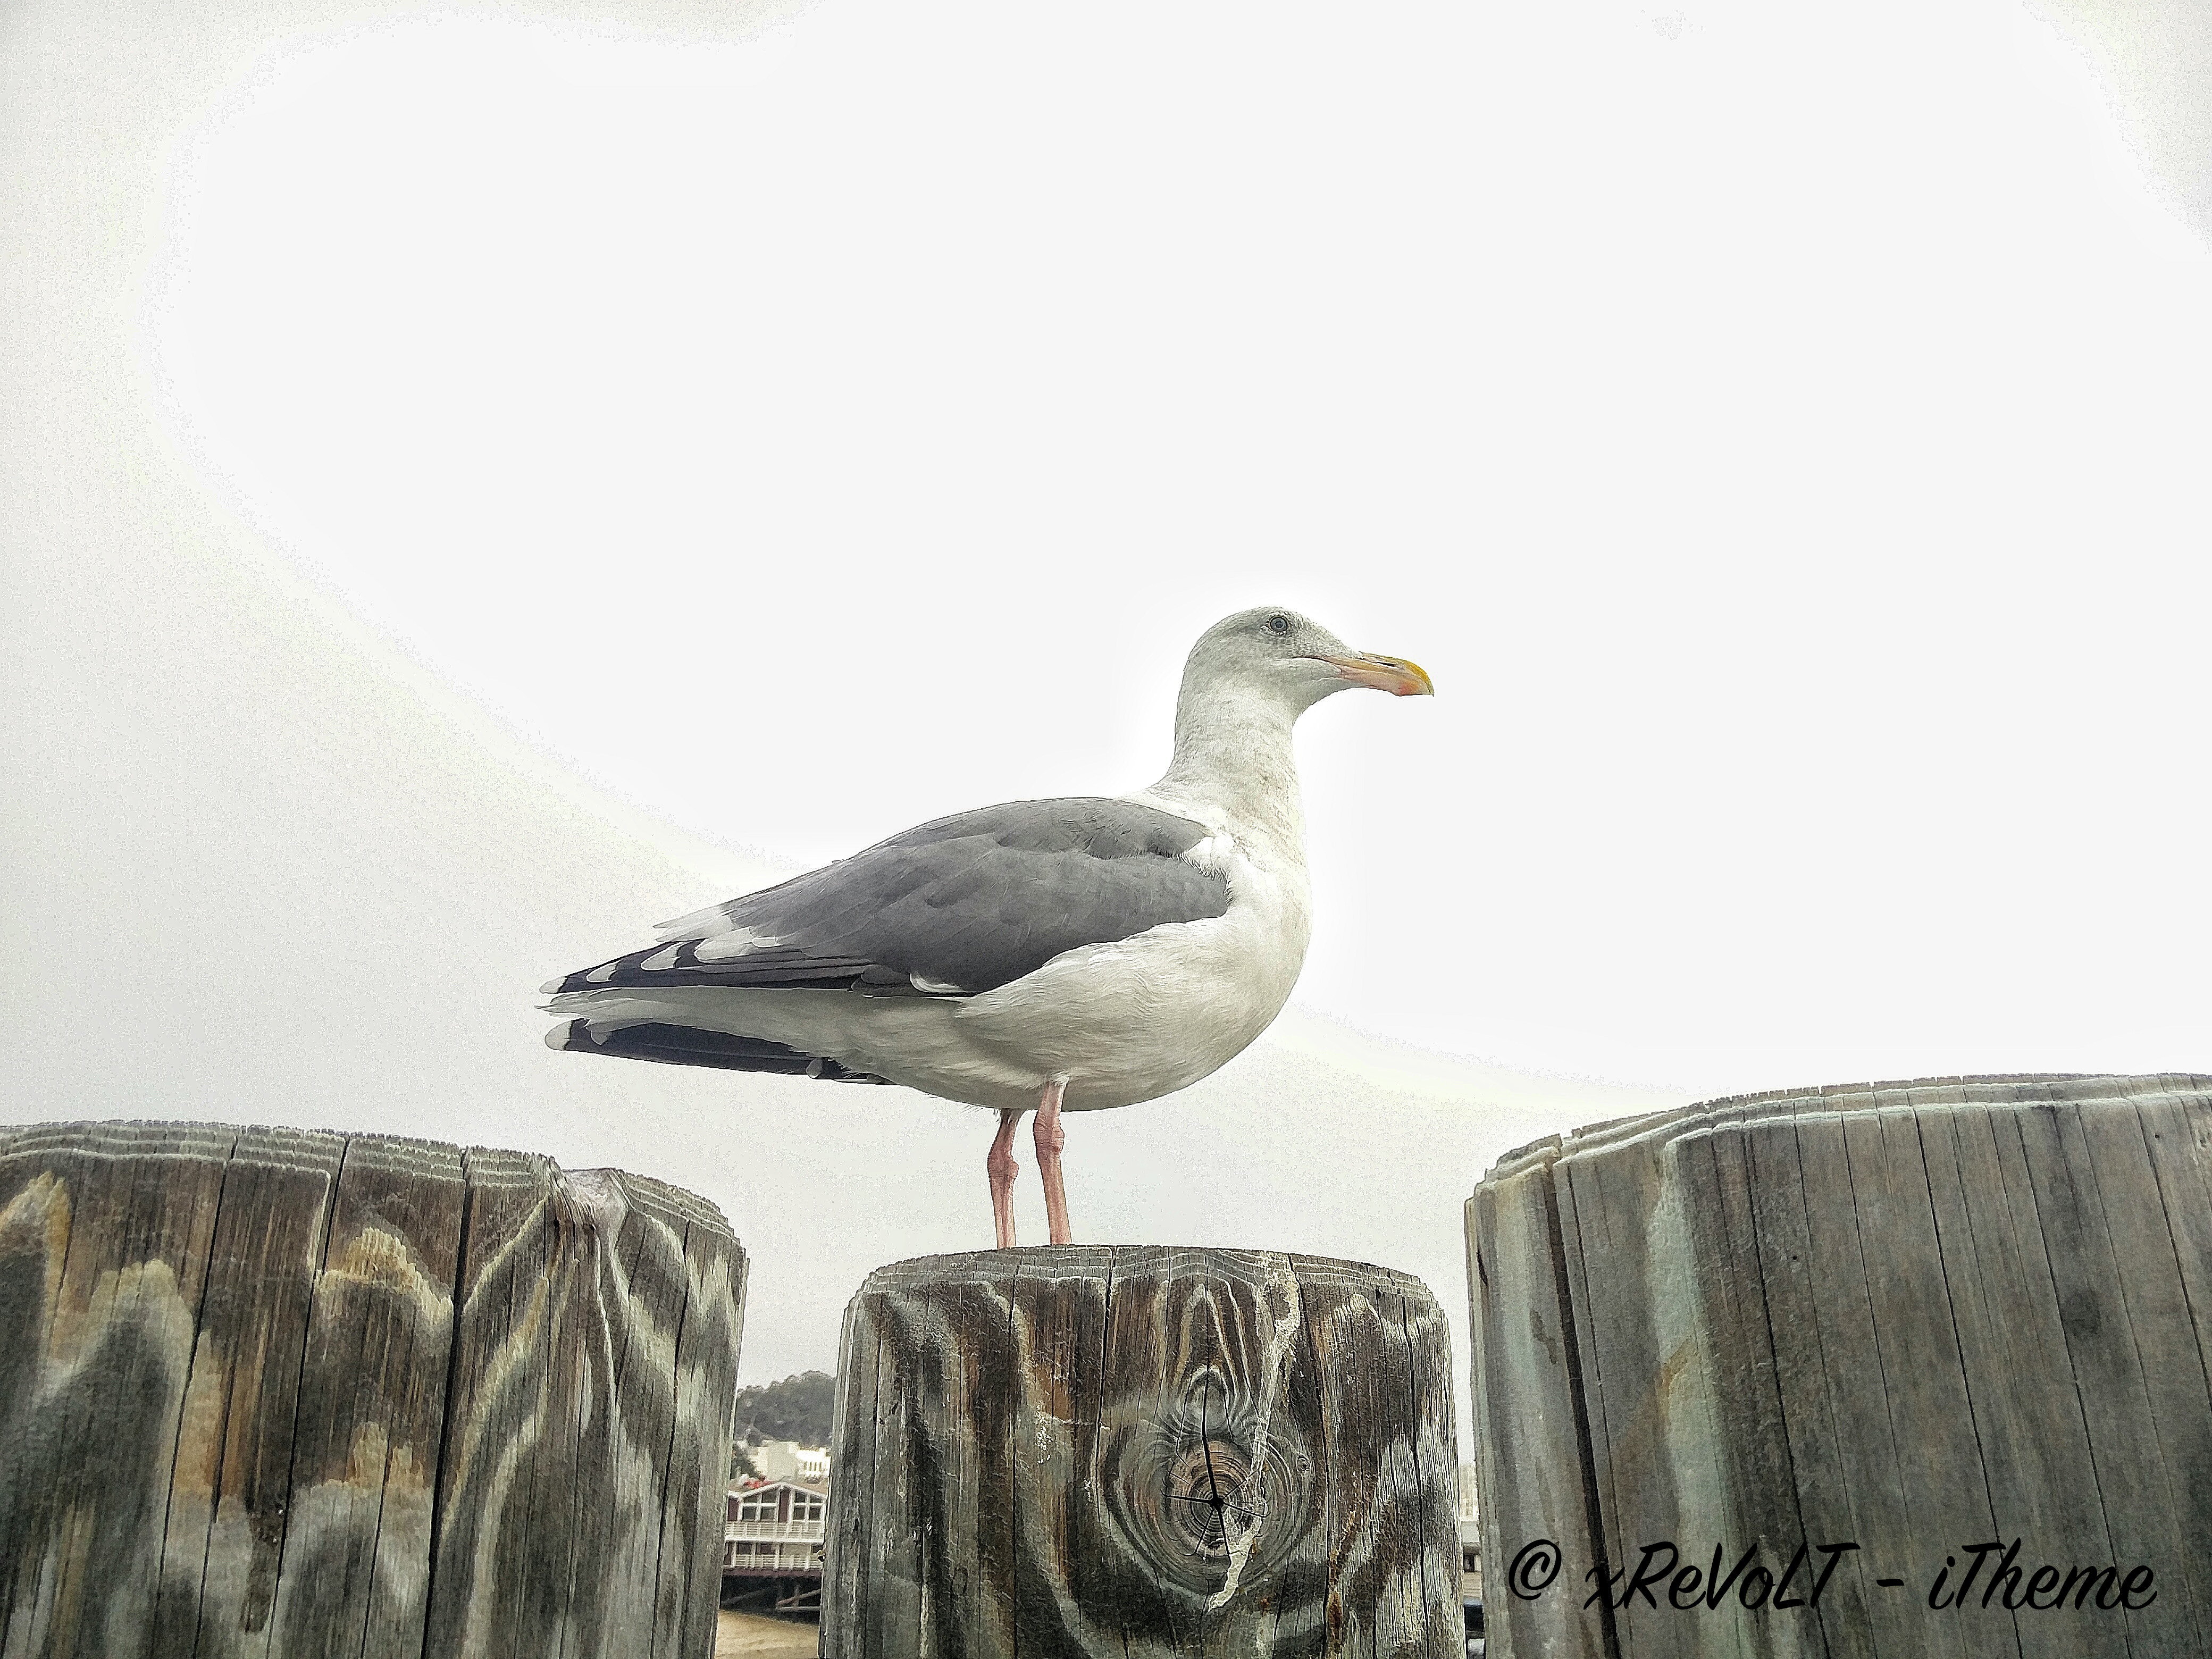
(239, 1414)
(1084, 1450)
(1884, 1334)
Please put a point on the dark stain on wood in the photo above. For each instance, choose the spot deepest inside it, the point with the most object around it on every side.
(1079, 1450)
(1917, 1316)
(270, 1392)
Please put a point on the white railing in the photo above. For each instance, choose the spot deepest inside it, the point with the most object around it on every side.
(809, 1532)
(800, 1558)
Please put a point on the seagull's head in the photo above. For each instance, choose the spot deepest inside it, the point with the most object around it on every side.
(1273, 652)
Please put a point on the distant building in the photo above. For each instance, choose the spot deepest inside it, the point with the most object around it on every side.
(772, 1542)
(1470, 1538)
(787, 1460)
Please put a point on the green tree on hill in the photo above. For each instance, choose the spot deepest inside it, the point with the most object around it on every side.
(797, 1408)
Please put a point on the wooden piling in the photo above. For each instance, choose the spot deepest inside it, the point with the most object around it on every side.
(1914, 1318)
(281, 1392)
(1084, 1450)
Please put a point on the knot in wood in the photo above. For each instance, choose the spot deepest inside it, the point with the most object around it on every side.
(1212, 1500)
(1195, 1505)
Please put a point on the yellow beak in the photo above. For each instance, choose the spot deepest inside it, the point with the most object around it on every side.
(1395, 675)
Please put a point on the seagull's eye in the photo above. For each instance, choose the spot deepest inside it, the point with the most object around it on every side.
(1279, 623)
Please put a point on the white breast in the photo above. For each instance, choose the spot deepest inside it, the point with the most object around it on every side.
(1146, 1016)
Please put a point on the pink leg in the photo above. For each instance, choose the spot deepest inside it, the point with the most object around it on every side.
(1050, 1137)
(1002, 1169)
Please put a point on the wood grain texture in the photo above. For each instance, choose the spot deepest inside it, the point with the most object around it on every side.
(1917, 1317)
(1079, 1451)
(272, 1392)
(1535, 1470)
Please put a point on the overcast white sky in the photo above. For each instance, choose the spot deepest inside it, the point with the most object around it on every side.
(478, 482)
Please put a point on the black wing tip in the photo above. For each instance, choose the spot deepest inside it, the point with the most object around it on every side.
(689, 1045)
(677, 963)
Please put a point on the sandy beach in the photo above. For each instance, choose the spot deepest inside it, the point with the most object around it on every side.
(756, 1637)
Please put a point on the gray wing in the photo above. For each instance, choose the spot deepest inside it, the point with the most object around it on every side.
(954, 907)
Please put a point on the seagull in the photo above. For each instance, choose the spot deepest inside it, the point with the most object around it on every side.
(1046, 956)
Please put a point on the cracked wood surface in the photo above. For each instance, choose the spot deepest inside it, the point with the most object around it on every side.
(1915, 1315)
(240, 1417)
(1142, 1450)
